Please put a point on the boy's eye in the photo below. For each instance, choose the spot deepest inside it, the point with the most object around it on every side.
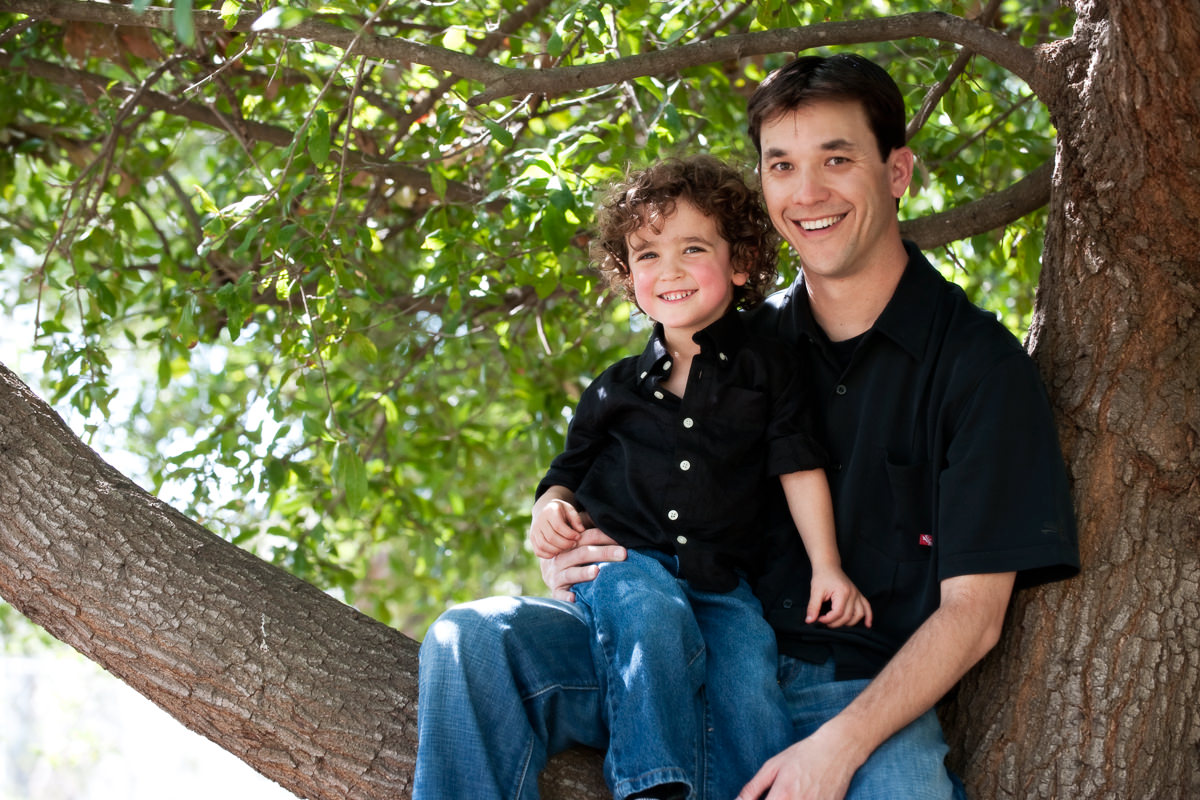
(695, 248)
(646, 255)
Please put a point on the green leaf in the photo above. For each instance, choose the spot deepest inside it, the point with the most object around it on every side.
(318, 137)
(184, 27)
(349, 474)
(230, 10)
(499, 133)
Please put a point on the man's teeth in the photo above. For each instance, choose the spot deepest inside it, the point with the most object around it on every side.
(819, 224)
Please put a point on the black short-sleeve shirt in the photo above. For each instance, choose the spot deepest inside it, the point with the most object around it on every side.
(691, 475)
(943, 461)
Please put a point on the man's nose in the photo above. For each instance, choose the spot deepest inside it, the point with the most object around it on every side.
(808, 186)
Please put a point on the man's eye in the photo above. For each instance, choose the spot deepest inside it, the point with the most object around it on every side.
(781, 166)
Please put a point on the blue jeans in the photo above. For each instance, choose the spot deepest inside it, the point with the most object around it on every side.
(508, 681)
(909, 765)
(674, 661)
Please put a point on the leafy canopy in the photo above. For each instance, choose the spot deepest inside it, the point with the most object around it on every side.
(339, 311)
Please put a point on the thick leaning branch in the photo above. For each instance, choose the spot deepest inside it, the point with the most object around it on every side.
(306, 690)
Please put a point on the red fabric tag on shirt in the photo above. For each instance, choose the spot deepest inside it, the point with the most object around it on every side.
(926, 540)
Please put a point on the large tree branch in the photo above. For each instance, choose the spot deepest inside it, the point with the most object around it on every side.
(986, 214)
(503, 81)
(304, 689)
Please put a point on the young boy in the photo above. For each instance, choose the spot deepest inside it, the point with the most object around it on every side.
(671, 454)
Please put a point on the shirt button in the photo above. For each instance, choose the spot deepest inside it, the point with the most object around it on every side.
(687, 422)
(787, 603)
(722, 356)
(672, 515)
(685, 465)
(666, 365)
(841, 388)
(658, 395)
(643, 375)
(681, 539)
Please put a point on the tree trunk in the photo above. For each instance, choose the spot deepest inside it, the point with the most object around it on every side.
(1094, 690)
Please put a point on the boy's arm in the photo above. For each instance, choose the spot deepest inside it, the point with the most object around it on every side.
(965, 627)
(811, 507)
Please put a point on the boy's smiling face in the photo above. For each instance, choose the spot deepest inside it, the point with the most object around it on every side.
(681, 272)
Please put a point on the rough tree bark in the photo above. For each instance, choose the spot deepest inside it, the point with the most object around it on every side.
(1093, 692)
(303, 688)
(306, 690)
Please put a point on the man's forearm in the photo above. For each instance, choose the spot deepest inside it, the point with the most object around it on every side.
(963, 629)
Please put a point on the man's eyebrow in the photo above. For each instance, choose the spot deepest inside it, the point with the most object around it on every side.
(838, 144)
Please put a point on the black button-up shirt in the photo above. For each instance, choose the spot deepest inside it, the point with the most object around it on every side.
(943, 461)
(690, 475)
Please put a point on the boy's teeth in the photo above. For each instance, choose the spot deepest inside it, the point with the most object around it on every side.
(819, 224)
(675, 295)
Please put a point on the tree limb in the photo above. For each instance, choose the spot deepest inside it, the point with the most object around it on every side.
(980, 216)
(205, 115)
(503, 81)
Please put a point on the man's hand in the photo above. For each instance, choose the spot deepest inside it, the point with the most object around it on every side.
(805, 771)
(579, 564)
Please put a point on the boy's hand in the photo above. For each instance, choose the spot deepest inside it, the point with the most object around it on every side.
(847, 606)
(555, 529)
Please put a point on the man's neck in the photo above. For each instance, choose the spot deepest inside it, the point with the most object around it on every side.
(847, 307)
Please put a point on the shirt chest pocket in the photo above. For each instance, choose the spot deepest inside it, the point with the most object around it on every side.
(911, 537)
(737, 410)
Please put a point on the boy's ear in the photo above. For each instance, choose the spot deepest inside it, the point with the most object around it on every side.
(740, 278)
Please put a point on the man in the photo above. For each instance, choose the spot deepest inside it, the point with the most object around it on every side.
(947, 483)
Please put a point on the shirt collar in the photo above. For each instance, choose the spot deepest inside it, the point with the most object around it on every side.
(719, 341)
(906, 319)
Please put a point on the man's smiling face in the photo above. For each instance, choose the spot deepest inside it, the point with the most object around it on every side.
(828, 191)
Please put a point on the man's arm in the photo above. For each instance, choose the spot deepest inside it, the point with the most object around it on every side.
(965, 627)
(578, 564)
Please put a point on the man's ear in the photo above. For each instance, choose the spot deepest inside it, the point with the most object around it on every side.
(900, 170)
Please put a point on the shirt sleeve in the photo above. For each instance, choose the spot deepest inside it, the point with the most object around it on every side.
(585, 436)
(791, 443)
(1004, 499)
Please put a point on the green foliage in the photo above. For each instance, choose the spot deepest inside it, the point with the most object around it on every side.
(341, 313)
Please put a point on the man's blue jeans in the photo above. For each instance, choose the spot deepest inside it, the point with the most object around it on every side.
(508, 681)
(674, 661)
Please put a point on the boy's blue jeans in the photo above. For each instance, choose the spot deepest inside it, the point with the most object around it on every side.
(507, 681)
(657, 642)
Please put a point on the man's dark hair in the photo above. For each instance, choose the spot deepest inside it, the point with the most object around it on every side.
(845, 77)
(717, 190)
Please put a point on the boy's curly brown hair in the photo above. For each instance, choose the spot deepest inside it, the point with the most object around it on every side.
(718, 190)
